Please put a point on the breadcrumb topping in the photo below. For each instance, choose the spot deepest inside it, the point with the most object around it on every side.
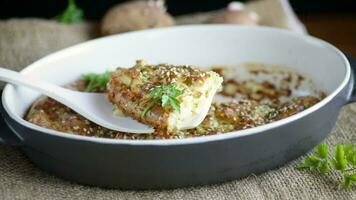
(249, 111)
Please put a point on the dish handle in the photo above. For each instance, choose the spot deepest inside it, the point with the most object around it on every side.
(352, 61)
(7, 136)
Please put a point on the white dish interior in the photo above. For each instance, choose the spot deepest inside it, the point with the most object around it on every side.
(205, 45)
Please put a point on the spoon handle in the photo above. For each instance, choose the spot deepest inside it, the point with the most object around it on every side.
(16, 78)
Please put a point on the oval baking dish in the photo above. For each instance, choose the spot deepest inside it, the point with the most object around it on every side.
(144, 164)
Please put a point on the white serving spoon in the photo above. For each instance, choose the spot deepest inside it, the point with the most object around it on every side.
(93, 106)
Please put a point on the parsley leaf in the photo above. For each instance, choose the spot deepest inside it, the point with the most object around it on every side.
(71, 14)
(322, 151)
(318, 161)
(343, 160)
(96, 82)
(166, 95)
(339, 160)
(348, 180)
(174, 103)
(350, 153)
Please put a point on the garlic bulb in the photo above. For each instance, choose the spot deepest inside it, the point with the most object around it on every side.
(235, 14)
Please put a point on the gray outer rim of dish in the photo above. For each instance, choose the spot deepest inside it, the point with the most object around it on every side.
(170, 166)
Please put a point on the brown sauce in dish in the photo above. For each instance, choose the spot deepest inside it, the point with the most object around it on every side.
(259, 104)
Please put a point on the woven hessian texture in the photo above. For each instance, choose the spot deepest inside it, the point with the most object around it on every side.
(24, 41)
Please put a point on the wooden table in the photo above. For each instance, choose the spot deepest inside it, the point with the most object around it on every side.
(337, 28)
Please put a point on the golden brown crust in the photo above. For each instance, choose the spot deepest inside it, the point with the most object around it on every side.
(129, 89)
(294, 106)
(222, 117)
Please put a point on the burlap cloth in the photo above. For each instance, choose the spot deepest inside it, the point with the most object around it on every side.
(24, 41)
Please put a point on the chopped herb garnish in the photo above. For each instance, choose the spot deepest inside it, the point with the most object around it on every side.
(343, 160)
(166, 95)
(71, 14)
(96, 82)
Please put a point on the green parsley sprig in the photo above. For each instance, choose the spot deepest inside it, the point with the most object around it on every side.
(96, 82)
(71, 14)
(166, 95)
(343, 160)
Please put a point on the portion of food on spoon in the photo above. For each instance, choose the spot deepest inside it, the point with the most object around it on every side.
(167, 97)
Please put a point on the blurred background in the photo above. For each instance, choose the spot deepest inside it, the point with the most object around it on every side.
(331, 20)
(95, 9)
